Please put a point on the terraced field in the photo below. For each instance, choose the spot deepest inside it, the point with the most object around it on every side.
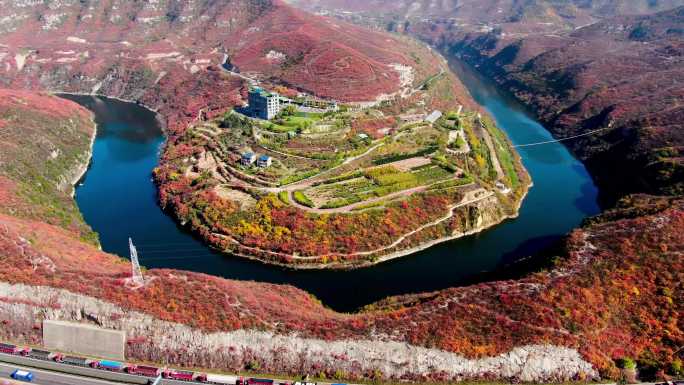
(340, 191)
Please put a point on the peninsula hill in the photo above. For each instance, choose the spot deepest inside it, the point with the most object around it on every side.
(402, 161)
(343, 188)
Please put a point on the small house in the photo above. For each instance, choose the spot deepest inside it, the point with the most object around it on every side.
(264, 161)
(502, 188)
(248, 158)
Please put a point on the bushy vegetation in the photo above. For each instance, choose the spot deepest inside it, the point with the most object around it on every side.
(302, 199)
(45, 139)
(284, 197)
(599, 299)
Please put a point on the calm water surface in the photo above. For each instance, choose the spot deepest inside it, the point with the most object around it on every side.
(118, 199)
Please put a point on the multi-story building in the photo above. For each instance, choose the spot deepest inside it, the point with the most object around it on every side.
(263, 104)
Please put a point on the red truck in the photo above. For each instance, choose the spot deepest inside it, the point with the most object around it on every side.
(181, 375)
(143, 370)
(9, 349)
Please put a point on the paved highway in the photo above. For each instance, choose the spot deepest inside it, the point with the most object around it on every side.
(44, 377)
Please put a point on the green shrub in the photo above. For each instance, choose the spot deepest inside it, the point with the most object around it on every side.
(452, 183)
(341, 202)
(340, 178)
(397, 157)
(302, 199)
(398, 178)
(297, 177)
(378, 171)
(284, 197)
(625, 363)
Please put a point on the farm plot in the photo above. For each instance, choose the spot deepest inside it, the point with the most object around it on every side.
(244, 200)
(325, 147)
(374, 183)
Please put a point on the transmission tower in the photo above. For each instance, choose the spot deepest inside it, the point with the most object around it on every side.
(136, 275)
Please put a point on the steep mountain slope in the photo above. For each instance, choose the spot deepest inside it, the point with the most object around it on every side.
(523, 15)
(62, 154)
(152, 51)
(624, 74)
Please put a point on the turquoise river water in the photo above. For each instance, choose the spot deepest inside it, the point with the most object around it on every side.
(118, 199)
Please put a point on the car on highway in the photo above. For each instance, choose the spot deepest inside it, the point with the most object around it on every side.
(22, 375)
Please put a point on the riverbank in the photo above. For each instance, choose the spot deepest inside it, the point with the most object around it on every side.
(123, 181)
(482, 225)
(82, 169)
(367, 262)
(158, 116)
(612, 127)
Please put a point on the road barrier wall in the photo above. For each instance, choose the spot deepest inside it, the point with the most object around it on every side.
(84, 339)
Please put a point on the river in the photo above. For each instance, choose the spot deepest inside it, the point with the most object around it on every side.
(118, 200)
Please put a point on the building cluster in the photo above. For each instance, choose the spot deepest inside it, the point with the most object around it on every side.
(249, 158)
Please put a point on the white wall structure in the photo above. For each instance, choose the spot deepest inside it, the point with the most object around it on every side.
(84, 339)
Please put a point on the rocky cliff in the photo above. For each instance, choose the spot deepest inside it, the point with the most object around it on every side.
(155, 340)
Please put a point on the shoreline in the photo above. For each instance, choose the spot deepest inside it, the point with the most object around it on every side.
(304, 266)
(388, 257)
(84, 166)
(157, 114)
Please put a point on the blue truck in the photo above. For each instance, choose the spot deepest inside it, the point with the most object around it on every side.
(22, 375)
(113, 366)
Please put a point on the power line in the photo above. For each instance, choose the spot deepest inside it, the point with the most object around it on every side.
(561, 139)
(176, 257)
(157, 251)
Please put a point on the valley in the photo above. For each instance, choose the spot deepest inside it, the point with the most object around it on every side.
(579, 67)
(402, 163)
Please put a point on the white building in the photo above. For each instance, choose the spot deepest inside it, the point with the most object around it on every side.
(433, 117)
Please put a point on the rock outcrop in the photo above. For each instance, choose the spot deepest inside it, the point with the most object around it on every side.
(179, 344)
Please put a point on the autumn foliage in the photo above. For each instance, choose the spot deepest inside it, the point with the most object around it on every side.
(599, 297)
